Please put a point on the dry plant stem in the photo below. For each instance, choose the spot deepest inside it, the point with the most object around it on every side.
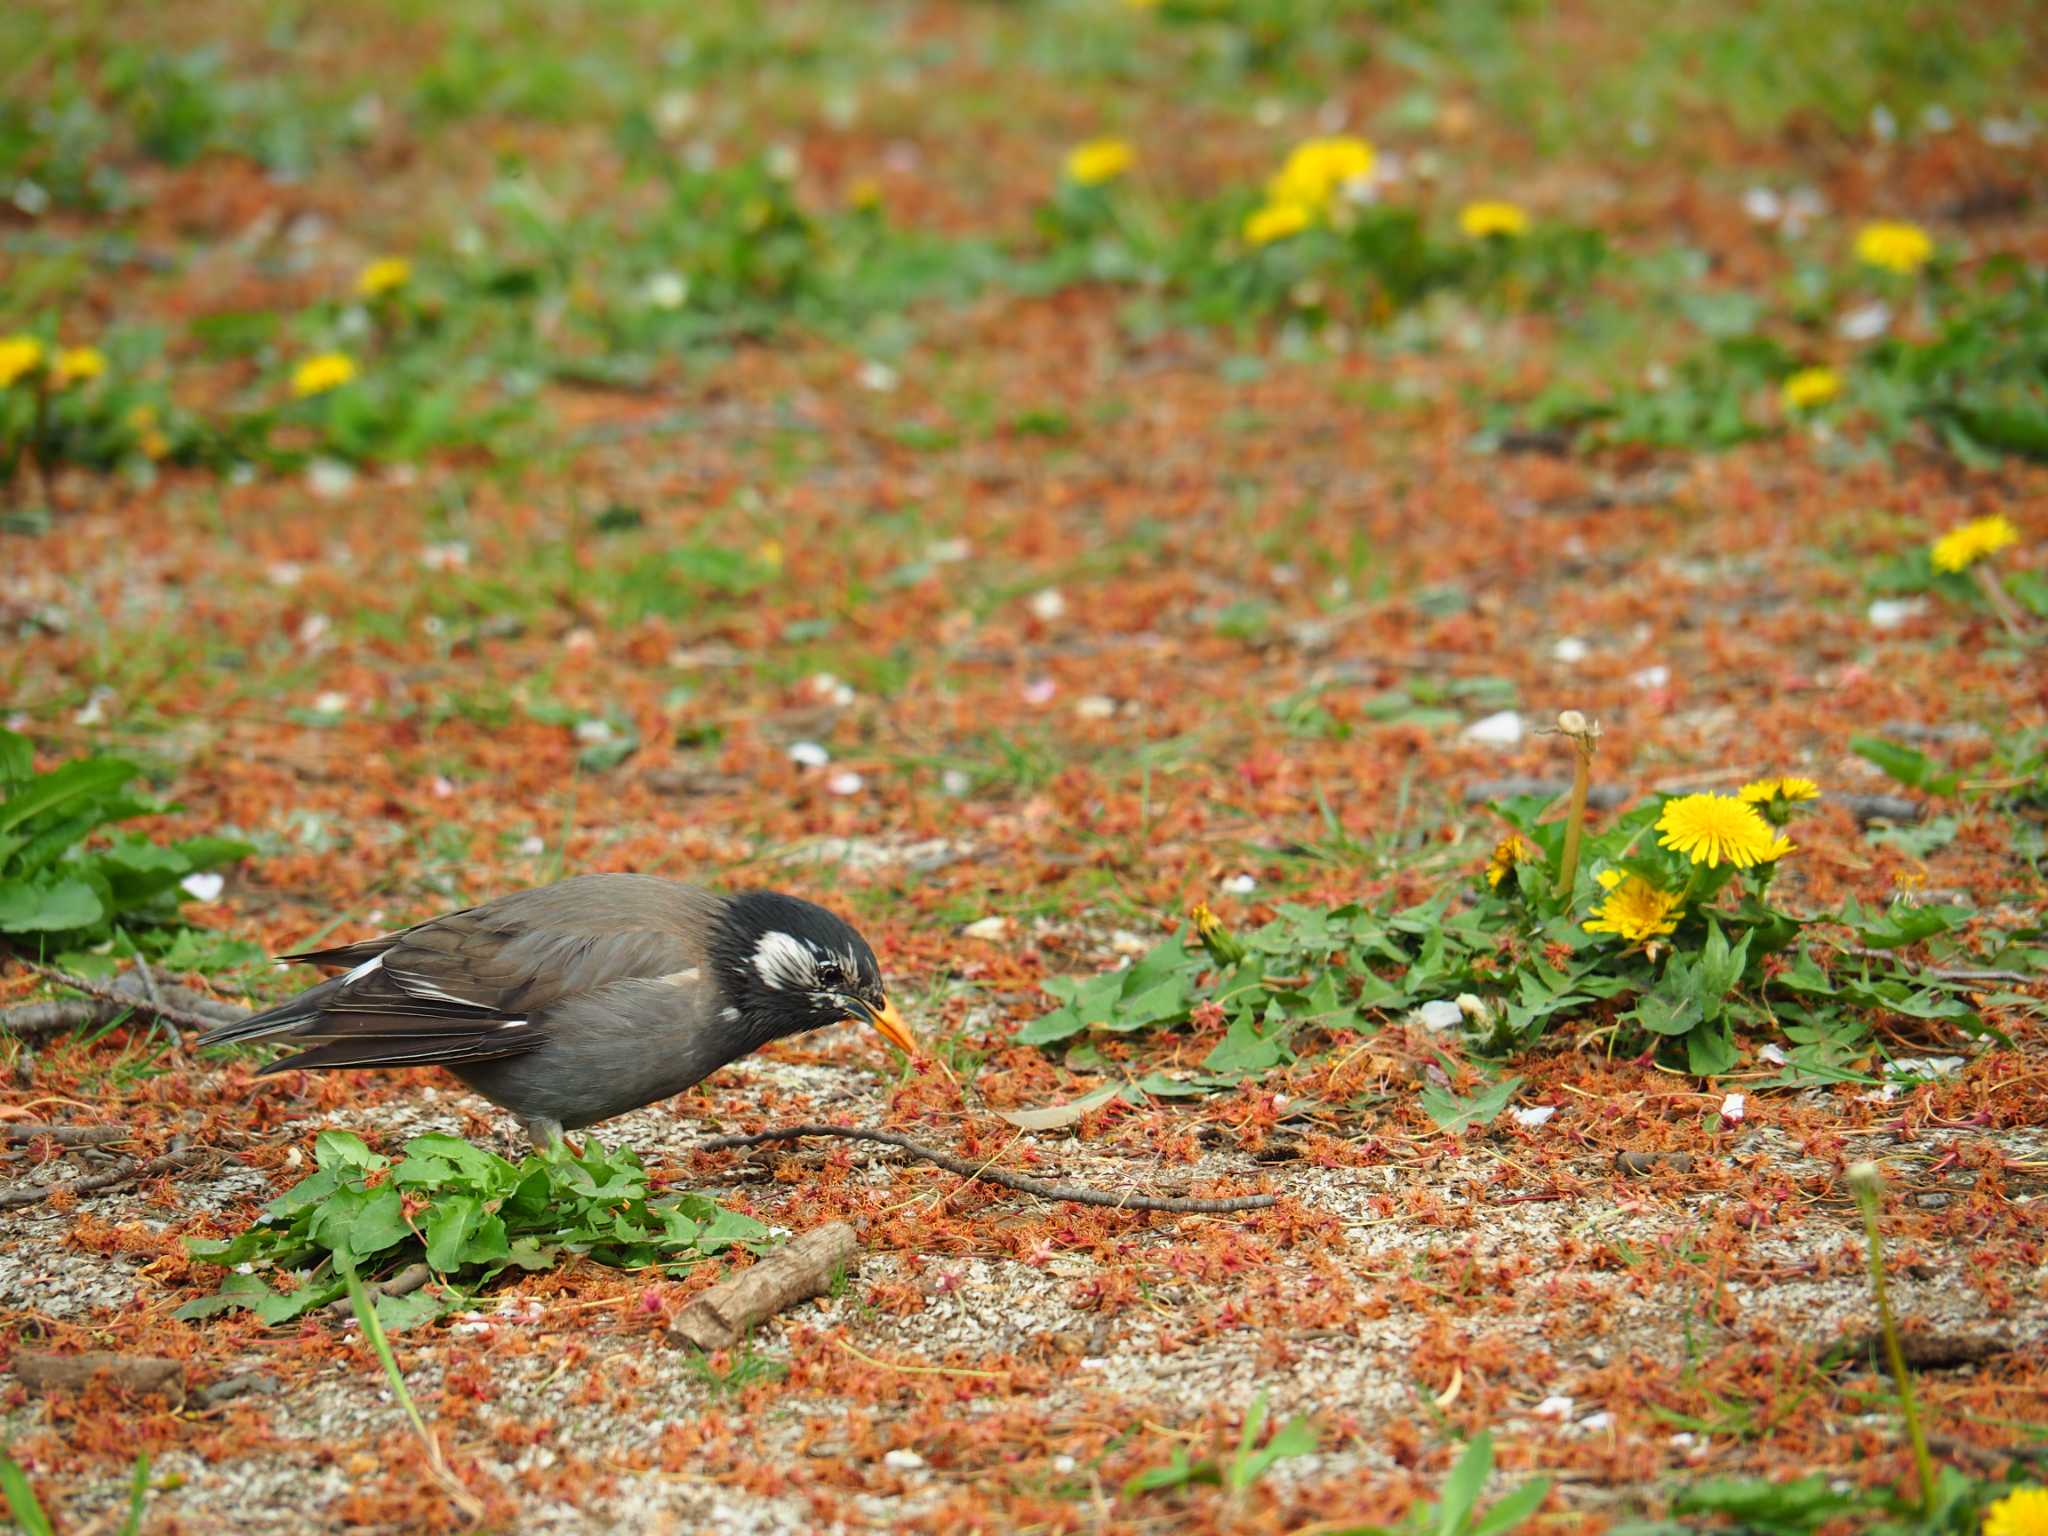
(468, 1503)
(1923, 1464)
(1076, 1193)
(1583, 736)
(1994, 593)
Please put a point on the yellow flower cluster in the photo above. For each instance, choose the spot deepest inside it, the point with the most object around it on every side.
(1788, 789)
(2023, 1512)
(322, 372)
(1719, 829)
(19, 357)
(1963, 547)
(23, 356)
(149, 437)
(1483, 220)
(1810, 387)
(383, 276)
(1099, 161)
(1634, 910)
(1507, 853)
(1305, 189)
(1276, 221)
(1894, 246)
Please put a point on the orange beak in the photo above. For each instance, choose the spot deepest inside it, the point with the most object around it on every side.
(889, 1025)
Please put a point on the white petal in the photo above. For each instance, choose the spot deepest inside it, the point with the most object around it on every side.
(1502, 729)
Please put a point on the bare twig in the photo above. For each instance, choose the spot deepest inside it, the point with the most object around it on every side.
(29, 1194)
(1078, 1194)
(54, 1017)
(797, 1271)
(64, 1135)
(170, 1014)
(404, 1283)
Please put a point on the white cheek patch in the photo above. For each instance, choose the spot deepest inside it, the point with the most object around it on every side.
(783, 962)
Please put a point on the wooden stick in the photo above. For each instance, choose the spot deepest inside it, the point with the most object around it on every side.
(802, 1268)
(404, 1283)
(41, 1372)
(1078, 1194)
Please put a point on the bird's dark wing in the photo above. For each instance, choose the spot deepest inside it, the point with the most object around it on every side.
(476, 984)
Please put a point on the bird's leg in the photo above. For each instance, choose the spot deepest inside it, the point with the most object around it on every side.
(542, 1130)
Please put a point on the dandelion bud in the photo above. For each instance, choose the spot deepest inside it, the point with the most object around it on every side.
(1865, 1177)
(1572, 723)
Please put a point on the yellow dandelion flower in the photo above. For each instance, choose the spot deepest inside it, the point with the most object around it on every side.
(1962, 547)
(1316, 170)
(1275, 221)
(1507, 853)
(19, 356)
(770, 554)
(1894, 246)
(74, 365)
(1788, 789)
(1099, 161)
(385, 275)
(1718, 829)
(322, 372)
(1479, 220)
(2023, 1512)
(863, 193)
(1809, 387)
(1205, 919)
(1634, 910)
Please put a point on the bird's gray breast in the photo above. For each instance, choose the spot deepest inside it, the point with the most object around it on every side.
(612, 1049)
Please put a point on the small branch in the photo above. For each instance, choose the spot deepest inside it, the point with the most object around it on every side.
(64, 1135)
(404, 1283)
(30, 1194)
(169, 1013)
(1078, 1194)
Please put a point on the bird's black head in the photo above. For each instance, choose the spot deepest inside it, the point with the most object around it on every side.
(787, 965)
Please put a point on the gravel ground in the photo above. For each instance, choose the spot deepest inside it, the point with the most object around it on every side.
(607, 1405)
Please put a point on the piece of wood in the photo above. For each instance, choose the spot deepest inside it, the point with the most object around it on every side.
(404, 1283)
(800, 1269)
(69, 1373)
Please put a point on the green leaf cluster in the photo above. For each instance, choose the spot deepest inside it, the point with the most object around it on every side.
(1239, 1470)
(466, 1212)
(1733, 959)
(56, 892)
